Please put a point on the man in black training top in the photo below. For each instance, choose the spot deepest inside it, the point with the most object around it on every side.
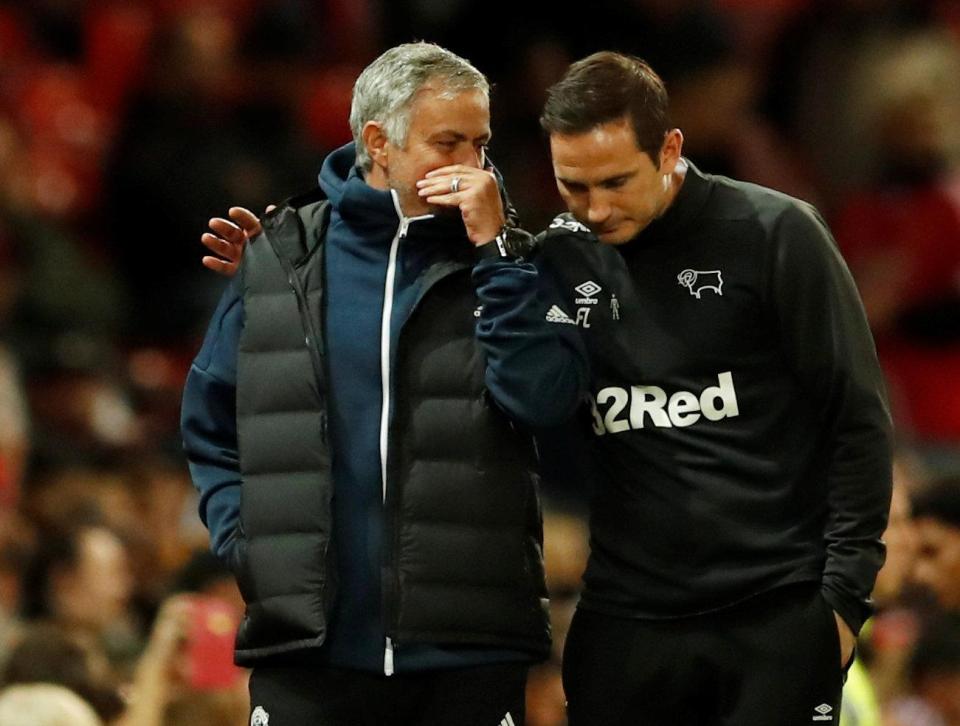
(741, 437)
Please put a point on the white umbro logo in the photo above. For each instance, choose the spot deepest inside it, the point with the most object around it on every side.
(556, 315)
(507, 720)
(259, 717)
(588, 288)
(823, 712)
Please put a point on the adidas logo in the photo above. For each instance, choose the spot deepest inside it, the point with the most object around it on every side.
(556, 315)
(507, 720)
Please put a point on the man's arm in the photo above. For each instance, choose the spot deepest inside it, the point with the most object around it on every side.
(826, 338)
(209, 426)
(537, 370)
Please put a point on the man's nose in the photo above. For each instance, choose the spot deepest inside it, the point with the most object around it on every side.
(470, 156)
(598, 210)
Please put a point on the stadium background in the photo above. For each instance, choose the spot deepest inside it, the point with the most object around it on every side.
(125, 125)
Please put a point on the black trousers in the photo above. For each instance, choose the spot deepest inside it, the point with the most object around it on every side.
(299, 694)
(772, 661)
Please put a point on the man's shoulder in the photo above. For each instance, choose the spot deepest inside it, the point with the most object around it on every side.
(735, 199)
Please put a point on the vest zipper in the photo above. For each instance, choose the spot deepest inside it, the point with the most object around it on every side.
(392, 539)
(390, 586)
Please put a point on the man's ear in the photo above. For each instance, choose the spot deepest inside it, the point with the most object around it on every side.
(377, 145)
(671, 151)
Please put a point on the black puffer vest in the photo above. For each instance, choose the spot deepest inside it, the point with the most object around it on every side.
(463, 563)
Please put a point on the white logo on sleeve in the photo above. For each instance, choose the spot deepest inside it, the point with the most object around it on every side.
(507, 720)
(823, 712)
(568, 223)
(641, 406)
(259, 717)
(556, 315)
(696, 281)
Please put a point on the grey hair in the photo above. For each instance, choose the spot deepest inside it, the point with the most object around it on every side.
(385, 90)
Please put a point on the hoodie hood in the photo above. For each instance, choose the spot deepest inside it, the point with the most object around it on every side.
(356, 202)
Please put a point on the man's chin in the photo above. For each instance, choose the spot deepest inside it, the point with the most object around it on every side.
(616, 236)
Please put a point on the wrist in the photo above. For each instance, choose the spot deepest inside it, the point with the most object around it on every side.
(509, 243)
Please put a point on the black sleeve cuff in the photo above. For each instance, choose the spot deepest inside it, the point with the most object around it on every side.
(491, 250)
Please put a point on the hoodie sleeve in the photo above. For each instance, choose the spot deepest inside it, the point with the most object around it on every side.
(209, 426)
(826, 339)
(537, 370)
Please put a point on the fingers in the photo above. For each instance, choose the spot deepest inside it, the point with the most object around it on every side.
(453, 170)
(474, 191)
(438, 190)
(450, 185)
(248, 221)
(220, 246)
(228, 230)
(221, 267)
(227, 241)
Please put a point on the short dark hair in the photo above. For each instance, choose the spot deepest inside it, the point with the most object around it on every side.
(607, 86)
(940, 501)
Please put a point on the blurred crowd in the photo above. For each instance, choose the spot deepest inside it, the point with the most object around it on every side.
(126, 124)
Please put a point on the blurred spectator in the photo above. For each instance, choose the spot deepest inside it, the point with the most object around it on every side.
(81, 415)
(935, 674)
(546, 705)
(205, 574)
(60, 287)
(902, 237)
(890, 636)
(186, 675)
(44, 704)
(57, 27)
(81, 580)
(811, 84)
(565, 551)
(17, 545)
(167, 535)
(936, 511)
(14, 416)
(49, 654)
(199, 137)
(566, 547)
(886, 642)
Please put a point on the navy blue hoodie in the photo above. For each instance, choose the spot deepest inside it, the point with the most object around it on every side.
(536, 371)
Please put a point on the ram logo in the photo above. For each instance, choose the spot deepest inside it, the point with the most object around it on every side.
(696, 281)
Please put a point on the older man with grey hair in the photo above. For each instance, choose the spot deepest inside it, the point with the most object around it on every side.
(357, 421)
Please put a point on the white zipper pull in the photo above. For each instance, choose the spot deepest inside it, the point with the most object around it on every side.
(388, 658)
(404, 226)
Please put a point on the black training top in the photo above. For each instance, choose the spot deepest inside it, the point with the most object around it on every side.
(741, 431)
